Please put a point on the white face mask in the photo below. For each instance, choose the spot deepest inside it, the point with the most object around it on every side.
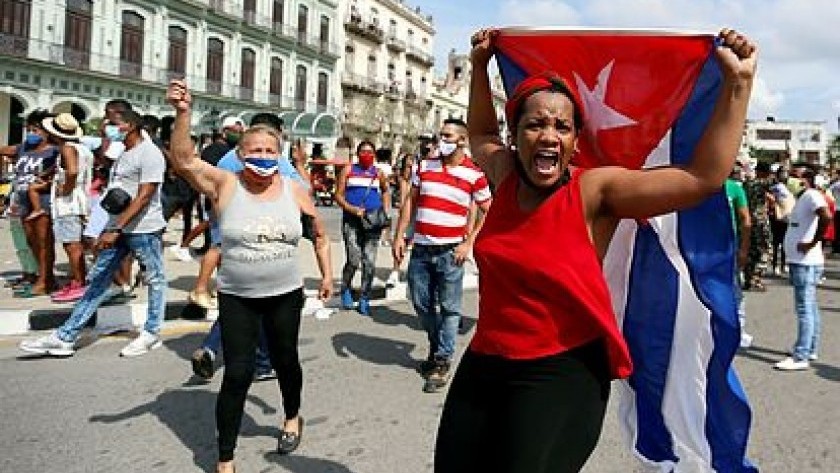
(446, 148)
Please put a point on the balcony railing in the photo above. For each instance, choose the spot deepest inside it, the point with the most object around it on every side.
(393, 92)
(396, 44)
(372, 31)
(213, 86)
(13, 45)
(362, 83)
(61, 56)
(419, 55)
(243, 93)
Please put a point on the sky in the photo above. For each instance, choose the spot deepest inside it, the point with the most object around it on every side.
(798, 40)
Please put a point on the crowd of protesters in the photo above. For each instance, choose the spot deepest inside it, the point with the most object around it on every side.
(110, 196)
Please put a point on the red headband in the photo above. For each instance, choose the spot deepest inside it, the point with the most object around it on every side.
(531, 85)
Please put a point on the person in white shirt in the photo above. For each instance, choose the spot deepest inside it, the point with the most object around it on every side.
(803, 250)
(69, 198)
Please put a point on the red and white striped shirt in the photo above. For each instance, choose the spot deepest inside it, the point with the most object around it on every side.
(445, 198)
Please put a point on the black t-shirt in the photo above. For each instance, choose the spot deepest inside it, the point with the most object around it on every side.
(213, 153)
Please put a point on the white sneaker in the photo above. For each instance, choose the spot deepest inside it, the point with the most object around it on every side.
(789, 364)
(144, 343)
(811, 357)
(180, 253)
(48, 345)
(746, 340)
(393, 279)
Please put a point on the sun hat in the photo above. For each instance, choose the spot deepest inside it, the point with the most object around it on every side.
(63, 125)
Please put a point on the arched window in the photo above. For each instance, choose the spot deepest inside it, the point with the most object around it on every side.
(300, 87)
(177, 63)
(275, 81)
(215, 64)
(323, 85)
(325, 32)
(131, 44)
(246, 74)
(303, 23)
(77, 32)
(249, 10)
(277, 15)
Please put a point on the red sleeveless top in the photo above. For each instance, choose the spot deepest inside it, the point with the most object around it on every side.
(542, 290)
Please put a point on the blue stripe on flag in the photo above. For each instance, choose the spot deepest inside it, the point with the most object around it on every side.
(512, 74)
(649, 334)
(707, 242)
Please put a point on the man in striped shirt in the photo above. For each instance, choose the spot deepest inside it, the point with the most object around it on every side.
(442, 192)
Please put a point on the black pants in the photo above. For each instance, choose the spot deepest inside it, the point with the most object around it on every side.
(778, 228)
(240, 319)
(528, 416)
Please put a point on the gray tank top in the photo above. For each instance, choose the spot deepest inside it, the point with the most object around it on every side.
(259, 244)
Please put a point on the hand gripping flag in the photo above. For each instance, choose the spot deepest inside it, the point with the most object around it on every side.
(647, 97)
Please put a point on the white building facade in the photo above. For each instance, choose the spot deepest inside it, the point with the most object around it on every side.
(450, 94)
(386, 69)
(238, 56)
(786, 141)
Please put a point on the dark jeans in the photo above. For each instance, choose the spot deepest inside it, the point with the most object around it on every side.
(360, 247)
(778, 228)
(213, 342)
(523, 416)
(240, 319)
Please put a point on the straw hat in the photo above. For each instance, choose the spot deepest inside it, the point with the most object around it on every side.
(63, 126)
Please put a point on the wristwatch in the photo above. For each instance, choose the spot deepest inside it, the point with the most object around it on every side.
(115, 229)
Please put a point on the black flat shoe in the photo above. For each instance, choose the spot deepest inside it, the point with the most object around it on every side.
(289, 441)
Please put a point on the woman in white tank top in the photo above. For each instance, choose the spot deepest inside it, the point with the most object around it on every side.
(259, 281)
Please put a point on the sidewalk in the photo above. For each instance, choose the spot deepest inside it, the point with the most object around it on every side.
(20, 316)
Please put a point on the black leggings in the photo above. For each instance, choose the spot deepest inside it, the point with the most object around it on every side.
(240, 319)
(528, 416)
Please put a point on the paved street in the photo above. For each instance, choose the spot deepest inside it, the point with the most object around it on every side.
(364, 409)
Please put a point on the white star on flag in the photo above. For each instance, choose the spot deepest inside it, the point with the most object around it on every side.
(599, 115)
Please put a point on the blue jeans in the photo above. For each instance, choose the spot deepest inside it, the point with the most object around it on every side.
(148, 250)
(434, 278)
(804, 279)
(213, 342)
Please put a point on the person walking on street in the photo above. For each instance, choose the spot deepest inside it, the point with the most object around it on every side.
(362, 188)
(803, 250)
(260, 283)
(135, 227)
(69, 196)
(442, 192)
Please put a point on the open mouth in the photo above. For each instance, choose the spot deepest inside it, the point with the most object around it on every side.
(546, 161)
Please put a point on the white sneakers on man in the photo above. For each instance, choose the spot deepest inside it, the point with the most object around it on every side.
(48, 345)
(144, 343)
(790, 364)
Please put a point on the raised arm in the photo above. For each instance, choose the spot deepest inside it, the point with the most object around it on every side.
(622, 193)
(485, 142)
(203, 177)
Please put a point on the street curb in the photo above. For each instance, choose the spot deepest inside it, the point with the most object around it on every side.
(131, 315)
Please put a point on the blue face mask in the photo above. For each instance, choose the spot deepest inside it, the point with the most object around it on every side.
(261, 166)
(113, 133)
(33, 139)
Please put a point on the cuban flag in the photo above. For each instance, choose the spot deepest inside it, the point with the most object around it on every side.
(647, 97)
